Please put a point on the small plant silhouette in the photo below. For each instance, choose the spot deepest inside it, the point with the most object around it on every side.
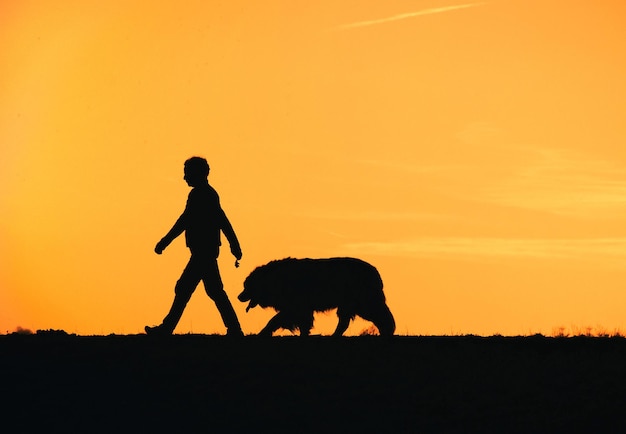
(369, 331)
(22, 331)
(588, 331)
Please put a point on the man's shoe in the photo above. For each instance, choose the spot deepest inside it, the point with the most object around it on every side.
(156, 331)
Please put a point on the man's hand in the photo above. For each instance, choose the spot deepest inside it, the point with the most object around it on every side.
(161, 245)
(236, 251)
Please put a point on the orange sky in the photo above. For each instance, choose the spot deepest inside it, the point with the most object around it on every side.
(473, 152)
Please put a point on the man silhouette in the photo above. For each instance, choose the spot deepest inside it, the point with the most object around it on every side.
(202, 221)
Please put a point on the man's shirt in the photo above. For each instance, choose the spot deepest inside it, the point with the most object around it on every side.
(203, 218)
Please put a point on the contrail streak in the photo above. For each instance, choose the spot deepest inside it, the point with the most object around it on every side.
(404, 16)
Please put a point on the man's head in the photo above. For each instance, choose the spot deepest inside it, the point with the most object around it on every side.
(196, 171)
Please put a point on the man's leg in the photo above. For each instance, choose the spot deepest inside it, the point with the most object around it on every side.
(185, 287)
(215, 290)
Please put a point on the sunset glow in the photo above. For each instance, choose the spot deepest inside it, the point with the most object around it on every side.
(474, 152)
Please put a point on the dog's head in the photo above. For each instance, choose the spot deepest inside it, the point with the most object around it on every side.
(247, 296)
(253, 289)
(265, 286)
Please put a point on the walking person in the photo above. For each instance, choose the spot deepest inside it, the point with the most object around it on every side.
(203, 221)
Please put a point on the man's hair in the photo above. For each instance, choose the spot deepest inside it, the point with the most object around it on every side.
(197, 165)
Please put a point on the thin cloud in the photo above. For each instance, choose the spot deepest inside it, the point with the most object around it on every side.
(603, 250)
(407, 15)
(383, 216)
(567, 183)
(425, 169)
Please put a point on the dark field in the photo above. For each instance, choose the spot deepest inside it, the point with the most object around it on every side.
(192, 383)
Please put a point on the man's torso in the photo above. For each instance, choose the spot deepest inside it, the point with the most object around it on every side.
(203, 219)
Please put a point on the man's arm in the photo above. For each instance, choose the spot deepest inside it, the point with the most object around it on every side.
(177, 229)
(229, 232)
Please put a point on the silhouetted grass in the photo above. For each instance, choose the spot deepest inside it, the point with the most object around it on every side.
(190, 383)
(588, 331)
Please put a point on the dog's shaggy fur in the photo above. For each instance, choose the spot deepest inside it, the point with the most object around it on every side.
(296, 288)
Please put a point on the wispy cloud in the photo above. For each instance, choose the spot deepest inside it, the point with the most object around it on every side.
(604, 250)
(382, 216)
(407, 15)
(413, 168)
(564, 182)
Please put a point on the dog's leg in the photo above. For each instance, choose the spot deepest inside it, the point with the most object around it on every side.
(384, 321)
(273, 324)
(344, 322)
(382, 318)
(306, 324)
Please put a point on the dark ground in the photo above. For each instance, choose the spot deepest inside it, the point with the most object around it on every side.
(51, 382)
